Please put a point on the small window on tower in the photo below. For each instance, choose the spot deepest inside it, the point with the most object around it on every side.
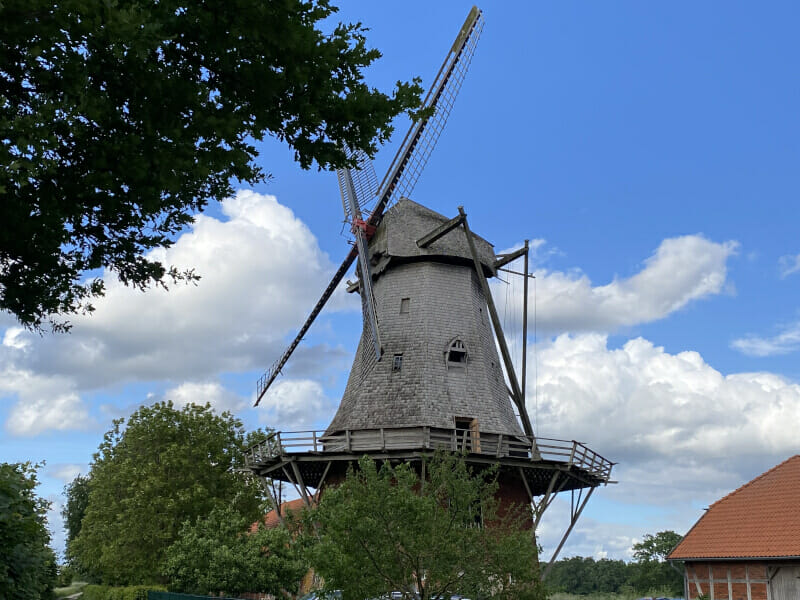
(405, 304)
(397, 362)
(456, 354)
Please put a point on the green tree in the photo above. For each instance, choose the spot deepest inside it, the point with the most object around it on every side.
(27, 563)
(76, 494)
(217, 554)
(651, 571)
(383, 529)
(166, 466)
(121, 119)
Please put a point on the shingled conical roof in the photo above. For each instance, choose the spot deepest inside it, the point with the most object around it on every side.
(440, 362)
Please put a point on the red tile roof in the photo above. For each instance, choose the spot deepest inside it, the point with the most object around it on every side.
(271, 518)
(761, 519)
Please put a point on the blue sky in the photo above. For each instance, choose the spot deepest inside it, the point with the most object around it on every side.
(652, 150)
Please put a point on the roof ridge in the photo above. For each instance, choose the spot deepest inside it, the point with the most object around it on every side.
(681, 553)
(752, 481)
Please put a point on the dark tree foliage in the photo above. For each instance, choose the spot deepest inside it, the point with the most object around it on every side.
(164, 467)
(649, 572)
(384, 529)
(121, 119)
(27, 563)
(77, 497)
(76, 494)
(217, 555)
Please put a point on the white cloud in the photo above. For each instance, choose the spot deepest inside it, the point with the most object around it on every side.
(212, 393)
(785, 342)
(677, 425)
(14, 337)
(589, 537)
(43, 402)
(788, 265)
(681, 270)
(296, 404)
(261, 270)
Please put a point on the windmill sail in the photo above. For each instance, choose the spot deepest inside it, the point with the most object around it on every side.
(348, 191)
(405, 169)
(421, 139)
(364, 183)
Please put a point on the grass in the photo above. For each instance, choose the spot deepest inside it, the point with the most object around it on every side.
(74, 588)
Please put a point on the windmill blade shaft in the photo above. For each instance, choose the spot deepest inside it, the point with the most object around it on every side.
(421, 139)
(348, 191)
(367, 296)
(268, 377)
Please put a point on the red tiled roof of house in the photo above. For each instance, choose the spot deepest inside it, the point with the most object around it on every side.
(761, 519)
(271, 518)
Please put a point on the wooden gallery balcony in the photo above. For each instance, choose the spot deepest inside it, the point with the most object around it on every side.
(309, 457)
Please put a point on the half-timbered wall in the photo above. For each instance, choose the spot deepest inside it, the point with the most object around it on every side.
(742, 580)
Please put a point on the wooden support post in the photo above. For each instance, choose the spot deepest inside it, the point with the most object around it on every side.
(322, 481)
(299, 477)
(530, 498)
(290, 480)
(275, 504)
(501, 339)
(524, 323)
(549, 496)
(573, 520)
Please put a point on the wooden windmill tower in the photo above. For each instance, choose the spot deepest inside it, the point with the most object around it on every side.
(427, 373)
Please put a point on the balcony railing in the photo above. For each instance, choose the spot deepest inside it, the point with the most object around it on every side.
(571, 453)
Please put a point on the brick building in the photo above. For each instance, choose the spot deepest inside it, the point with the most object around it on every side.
(747, 545)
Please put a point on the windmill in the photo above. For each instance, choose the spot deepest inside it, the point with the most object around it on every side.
(427, 373)
(359, 193)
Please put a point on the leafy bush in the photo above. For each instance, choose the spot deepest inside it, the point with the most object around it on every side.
(27, 563)
(107, 592)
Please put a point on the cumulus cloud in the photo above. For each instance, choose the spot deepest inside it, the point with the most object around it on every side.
(785, 342)
(261, 270)
(788, 265)
(589, 537)
(670, 415)
(296, 404)
(43, 402)
(681, 270)
(213, 393)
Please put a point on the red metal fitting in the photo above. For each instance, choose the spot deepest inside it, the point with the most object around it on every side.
(369, 230)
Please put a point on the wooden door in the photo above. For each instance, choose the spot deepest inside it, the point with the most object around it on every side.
(786, 584)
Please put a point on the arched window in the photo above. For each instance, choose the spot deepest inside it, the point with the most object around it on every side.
(456, 354)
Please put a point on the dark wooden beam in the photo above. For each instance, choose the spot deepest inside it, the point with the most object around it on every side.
(440, 231)
(517, 396)
(504, 259)
(525, 324)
